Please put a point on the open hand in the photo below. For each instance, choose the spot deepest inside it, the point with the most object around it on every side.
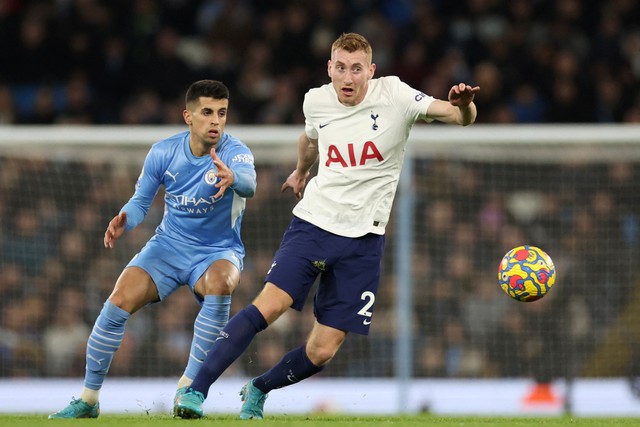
(296, 182)
(462, 94)
(115, 229)
(225, 176)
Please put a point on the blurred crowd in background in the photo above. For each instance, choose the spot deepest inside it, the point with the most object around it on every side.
(56, 273)
(537, 61)
(104, 62)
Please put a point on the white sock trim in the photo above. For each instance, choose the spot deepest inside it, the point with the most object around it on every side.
(184, 381)
(90, 396)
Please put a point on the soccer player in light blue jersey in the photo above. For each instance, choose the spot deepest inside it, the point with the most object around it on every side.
(357, 127)
(207, 175)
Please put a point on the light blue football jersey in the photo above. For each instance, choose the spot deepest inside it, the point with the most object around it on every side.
(192, 215)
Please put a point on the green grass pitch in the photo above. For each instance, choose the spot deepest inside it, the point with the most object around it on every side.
(319, 421)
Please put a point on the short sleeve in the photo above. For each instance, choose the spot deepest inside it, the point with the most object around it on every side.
(309, 126)
(411, 102)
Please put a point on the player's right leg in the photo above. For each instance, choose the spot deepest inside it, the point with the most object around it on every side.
(232, 342)
(294, 275)
(134, 289)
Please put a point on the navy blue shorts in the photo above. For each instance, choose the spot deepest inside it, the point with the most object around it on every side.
(349, 270)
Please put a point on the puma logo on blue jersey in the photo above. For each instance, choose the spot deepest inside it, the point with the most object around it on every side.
(172, 176)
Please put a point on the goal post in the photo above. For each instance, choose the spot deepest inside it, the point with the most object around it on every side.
(466, 196)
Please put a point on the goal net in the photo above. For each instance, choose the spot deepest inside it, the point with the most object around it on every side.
(467, 196)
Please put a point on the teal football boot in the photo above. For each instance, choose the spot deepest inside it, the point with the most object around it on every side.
(78, 408)
(253, 402)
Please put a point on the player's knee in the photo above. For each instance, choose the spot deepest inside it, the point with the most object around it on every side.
(120, 301)
(221, 286)
(272, 302)
(320, 355)
(133, 298)
(219, 281)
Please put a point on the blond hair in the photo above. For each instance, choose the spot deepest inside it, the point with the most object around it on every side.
(352, 42)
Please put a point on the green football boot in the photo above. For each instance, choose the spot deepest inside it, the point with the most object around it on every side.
(78, 408)
(189, 404)
(253, 402)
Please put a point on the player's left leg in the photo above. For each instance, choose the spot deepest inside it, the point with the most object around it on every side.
(344, 303)
(301, 363)
(287, 285)
(238, 334)
(215, 287)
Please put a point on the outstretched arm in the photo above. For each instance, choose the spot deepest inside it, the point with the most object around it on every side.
(460, 108)
(307, 156)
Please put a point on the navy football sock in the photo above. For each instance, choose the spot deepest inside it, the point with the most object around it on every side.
(232, 342)
(294, 367)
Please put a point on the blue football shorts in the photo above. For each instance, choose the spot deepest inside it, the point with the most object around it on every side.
(349, 270)
(172, 263)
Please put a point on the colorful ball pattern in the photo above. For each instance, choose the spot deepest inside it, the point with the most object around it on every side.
(526, 273)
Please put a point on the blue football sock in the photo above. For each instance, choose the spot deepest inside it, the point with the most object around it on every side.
(213, 315)
(104, 341)
(294, 367)
(232, 342)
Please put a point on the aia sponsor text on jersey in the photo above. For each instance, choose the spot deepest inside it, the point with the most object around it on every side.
(353, 157)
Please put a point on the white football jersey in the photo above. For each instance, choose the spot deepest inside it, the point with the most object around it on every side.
(361, 151)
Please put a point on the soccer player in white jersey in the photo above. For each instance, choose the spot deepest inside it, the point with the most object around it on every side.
(357, 128)
(207, 175)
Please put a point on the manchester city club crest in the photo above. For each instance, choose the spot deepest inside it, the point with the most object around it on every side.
(210, 177)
